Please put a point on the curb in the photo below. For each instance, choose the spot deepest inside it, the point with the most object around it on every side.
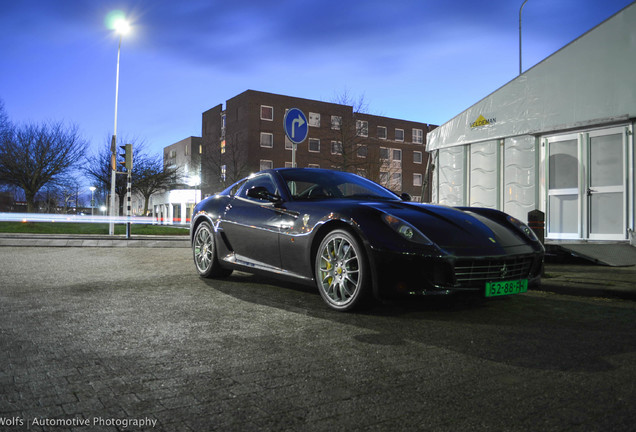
(54, 240)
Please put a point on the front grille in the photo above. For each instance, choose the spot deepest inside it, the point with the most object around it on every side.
(477, 271)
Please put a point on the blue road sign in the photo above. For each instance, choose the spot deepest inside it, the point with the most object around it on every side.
(296, 126)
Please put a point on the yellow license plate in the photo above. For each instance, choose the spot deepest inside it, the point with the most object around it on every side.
(494, 289)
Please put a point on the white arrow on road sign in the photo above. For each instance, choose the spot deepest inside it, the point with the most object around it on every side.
(297, 122)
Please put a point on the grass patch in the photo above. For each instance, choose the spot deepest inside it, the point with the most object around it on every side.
(87, 228)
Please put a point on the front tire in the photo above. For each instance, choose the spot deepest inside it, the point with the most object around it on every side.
(341, 271)
(204, 253)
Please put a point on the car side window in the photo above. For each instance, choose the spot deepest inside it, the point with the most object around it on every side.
(234, 190)
(262, 180)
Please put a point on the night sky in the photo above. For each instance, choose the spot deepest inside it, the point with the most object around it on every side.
(421, 60)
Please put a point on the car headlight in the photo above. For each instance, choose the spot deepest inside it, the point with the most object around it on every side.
(523, 228)
(406, 230)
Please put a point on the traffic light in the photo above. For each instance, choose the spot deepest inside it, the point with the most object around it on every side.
(128, 157)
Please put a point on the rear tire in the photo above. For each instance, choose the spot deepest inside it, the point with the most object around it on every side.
(204, 253)
(341, 271)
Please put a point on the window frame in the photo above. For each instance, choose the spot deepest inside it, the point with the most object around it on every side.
(336, 143)
(421, 157)
(418, 136)
(309, 141)
(271, 135)
(272, 112)
(385, 132)
(362, 128)
(336, 122)
(267, 161)
(415, 181)
(314, 119)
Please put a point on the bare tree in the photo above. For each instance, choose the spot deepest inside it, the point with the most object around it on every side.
(225, 164)
(148, 174)
(349, 134)
(5, 124)
(34, 156)
(151, 176)
(355, 151)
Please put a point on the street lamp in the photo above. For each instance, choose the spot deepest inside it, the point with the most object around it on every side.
(520, 9)
(121, 27)
(92, 189)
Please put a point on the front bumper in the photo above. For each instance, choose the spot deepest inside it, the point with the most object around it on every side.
(397, 274)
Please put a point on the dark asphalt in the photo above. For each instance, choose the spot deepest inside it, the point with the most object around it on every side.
(108, 336)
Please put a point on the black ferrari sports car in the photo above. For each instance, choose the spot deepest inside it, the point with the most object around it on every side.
(355, 239)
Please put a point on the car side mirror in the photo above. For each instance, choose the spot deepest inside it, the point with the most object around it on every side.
(406, 197)
(261, 193)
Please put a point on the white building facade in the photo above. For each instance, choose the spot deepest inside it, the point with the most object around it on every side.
(558, 138)
(174, 207)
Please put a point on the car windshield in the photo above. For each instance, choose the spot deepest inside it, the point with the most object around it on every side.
(314, 184)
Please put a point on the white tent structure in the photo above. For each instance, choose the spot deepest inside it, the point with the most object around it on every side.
(558, 138)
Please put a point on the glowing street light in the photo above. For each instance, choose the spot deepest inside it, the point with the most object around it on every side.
(121, 27)
(92, 189)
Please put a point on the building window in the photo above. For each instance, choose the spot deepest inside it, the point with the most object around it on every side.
(399, 134)
(288, 144)
(417, 157)
(384, 178)
(336, 147)
(361, 172)
(362, 128)
(417, 179)
(384, 153)
(397, 155)
(313, 166)
(289, 165)
(267, 112)
(336, 122)
(363, 151)
(267, 139)
(314, 145)
(186, 150)
(223, 147)
(314, 119)
(223, 172)
(382, 132)
(396, 182)
(266, 164)
(418, 136)
(200, 148)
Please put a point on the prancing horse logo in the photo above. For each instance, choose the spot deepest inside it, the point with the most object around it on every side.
(504, 271)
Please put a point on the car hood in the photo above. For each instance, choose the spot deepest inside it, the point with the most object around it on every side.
(458, 231)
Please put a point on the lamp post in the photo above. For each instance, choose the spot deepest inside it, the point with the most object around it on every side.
(92, 189)
(520, 9)
(122, 27)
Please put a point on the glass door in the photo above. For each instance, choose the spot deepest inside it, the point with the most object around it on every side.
(586, 185)
(563, 215)
(605, 191)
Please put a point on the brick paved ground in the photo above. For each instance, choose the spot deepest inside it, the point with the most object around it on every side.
(153, 341)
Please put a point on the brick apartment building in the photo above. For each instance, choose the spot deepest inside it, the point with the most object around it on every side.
(248, 136)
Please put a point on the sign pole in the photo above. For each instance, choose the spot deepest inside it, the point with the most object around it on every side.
(296, 129)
